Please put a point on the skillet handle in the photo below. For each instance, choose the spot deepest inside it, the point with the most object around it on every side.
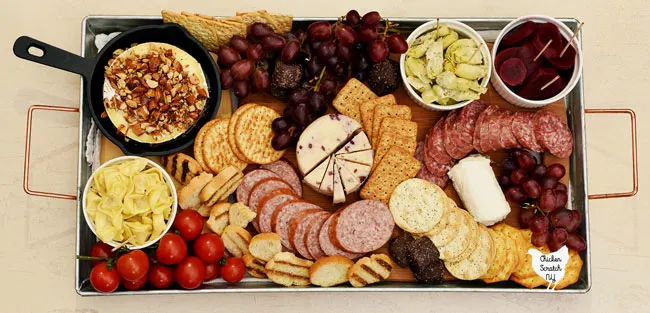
(53, 56)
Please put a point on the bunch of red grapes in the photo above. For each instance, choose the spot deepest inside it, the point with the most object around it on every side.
(543, 199)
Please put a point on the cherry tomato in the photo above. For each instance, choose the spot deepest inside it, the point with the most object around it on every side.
(171, 249)
(211, 271)
(190, 273)
(135, 284)
(133, 265)
(103, 279)
(234, 270)
(209, 248)
(161, 276)
(100, 250)
(189, 223)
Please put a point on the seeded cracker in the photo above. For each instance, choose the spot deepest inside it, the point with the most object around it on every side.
(478, 262)
(348, 99)
(396, 166)
(383, 111)
(367, 109)
(253, 135)
(203, 29)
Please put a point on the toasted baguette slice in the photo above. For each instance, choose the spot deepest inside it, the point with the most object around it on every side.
(181, 166)
(217, 183)
(288, 270)
(236, 240)
(254, 266)
(204, 210)
(240, 215)
(188, 196)
(228, 188)
(370, 270)
(330, 271)
(265, 245)
(218, 219)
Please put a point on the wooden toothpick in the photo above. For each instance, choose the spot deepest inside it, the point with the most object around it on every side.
(124, 243)
(575, 33)
(477, 50)
(542, 51)
(551, 82)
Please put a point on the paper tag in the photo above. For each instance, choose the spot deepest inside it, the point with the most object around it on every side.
(550, 266)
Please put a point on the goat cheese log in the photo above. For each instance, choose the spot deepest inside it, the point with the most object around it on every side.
(479, 190)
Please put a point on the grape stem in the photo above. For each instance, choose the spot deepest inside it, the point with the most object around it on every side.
(320, 78)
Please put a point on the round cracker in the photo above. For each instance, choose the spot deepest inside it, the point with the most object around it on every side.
(444, 220)
(500, 258)
(522, 243)
(462, 240)
(216, 150)
(198, 144)
(512, 259)
(471, 243)
(253, 135)
(478, 262)
(417, 205)
(454, 220)
(232, 130)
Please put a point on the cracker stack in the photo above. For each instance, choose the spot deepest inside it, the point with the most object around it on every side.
(395, 167)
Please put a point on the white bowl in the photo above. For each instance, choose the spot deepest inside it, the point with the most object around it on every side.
(170, 184)
(512, 97)
(463, 31)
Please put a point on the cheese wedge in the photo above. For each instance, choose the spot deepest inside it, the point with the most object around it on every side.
(327, 186)
(352, 175)
(315, 178)
(339, 193)
(358, 143)
(364, 157)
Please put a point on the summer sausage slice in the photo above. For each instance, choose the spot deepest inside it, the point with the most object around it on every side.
(282, 217)
(311, 236)
(326, 244)
(553, 134)
(263, 187)
(362, 226)
(523, 129)
(299, 227)
(286, 171)
(249, 180)
(269, 203)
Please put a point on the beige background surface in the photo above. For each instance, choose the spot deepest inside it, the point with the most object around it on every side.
(37, 234)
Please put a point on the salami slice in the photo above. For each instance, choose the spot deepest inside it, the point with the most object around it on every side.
(326, 244)
(362, 226)
(466, 125)
(523, 129)
(267, 205)
(438, 169)
(553, 134)
(286, 171)
(249, 180)
(490, 142)
(425, 174)
(311, 237)
(450, 137)
(507, 139)
(299, 227)
(419, 151)
(482, 127)
(282, 216)
(434, 148)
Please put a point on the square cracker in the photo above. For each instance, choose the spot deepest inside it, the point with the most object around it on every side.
(367, 110)
(390, 139)
(351, 95)
(397, 125)
(395, 167)
(204, 30)
(383, 111)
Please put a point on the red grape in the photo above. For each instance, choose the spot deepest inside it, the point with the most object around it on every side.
(575, 242)
(242, 69)
(261, 79)
(332, 63)
(326, 50)
(298, 95)
(345, 53)
(509, 165)
(516, 194)
(352, 17)
(260, 30)
(239, 43)
(378, 51)
(539, 239)
(319, 30)
(273, 42)
(559, 235)
(554, 245)
(281, 141)
(226, 79)
(560, 187)
(547, 183)
(539, 223)
(367, 33)
(242, 88)
(516, 152)
(280, 124)
(504, 181)
(531, 188)
(547, 201)
(397, 44)
(539, 171)
(290, 51)
(299, 115)
(255, 52)
(317, 104)
(228, 56)
(561, 199)
(525, 217)
(560, 218)
(314, 67)
(327, 86)
(525, 160)
(345, 35)
(556, 171)
(576, 218)
(518, 176)
(371, 18)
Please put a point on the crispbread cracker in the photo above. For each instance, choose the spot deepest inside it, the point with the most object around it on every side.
(231, 130)
(204, 30)
(408, 143)
(448, 233)
(383, 111)
(478, 262)
(351, 95)
(367, 110)
(225, 28)
(281, 23)
(397, 125)
(417, 205)
(395, 167)
(253, 135)
(216, 151)
(198, 144)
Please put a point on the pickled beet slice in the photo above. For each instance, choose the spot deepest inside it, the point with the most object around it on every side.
(532, 89)
(513, 72)
(544, 33)
(527, 54)
(506, 54)
(518, 34)
(566, 61)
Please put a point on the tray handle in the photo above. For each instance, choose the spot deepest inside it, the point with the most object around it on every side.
(28, 143)
(635, 166)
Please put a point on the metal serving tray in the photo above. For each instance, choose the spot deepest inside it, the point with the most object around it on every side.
(487, 27)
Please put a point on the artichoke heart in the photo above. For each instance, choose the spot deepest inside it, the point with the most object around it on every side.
(470, 71)
(417, 83)
(469, 55)
(435, 60)
(448, 80)
(458, 95)
(449, 39)
(458, 44)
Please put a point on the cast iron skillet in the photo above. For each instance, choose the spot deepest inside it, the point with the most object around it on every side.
(92, 71)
